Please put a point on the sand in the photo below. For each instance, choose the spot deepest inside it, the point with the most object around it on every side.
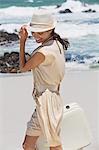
(17, 105)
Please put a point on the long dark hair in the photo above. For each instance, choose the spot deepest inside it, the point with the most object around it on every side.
(65, 43)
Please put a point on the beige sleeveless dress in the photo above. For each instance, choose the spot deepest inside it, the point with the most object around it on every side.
(47, 116)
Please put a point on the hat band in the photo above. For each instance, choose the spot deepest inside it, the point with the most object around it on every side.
(40, 25)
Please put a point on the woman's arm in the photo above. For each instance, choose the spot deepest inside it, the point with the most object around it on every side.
(34, 61)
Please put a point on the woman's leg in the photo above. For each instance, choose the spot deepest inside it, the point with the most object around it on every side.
(56, 148)
(29, 142)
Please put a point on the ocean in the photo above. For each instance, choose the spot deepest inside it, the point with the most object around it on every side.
(33, 3)
(82, 29)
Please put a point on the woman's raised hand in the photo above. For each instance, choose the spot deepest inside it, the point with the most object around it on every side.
(23, 34)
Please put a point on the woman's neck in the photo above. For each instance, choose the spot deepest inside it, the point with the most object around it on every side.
(50, 37)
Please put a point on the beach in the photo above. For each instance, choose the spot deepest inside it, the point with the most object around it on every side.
(78, 21)
(17, 104)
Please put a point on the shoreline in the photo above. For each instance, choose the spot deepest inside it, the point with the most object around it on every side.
(67, 71)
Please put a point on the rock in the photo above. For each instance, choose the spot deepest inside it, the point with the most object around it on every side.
(58, 6)
(89, 10)
(9, 63)
(6, 37)
(68, 57)
(93, 11)
(2, 43)
(65, 11)
(3, 70)
(2, 64)
(6, 55)
(30, 36)
(15, 30)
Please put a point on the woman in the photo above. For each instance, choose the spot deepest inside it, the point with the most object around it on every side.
(48, 65)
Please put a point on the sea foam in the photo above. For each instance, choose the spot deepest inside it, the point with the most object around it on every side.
(75, 6)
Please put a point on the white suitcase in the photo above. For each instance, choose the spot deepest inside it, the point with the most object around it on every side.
(75, 132)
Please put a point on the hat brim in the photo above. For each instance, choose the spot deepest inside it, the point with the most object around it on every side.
(40, 29)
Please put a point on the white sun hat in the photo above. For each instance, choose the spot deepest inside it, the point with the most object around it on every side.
(41, 21)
